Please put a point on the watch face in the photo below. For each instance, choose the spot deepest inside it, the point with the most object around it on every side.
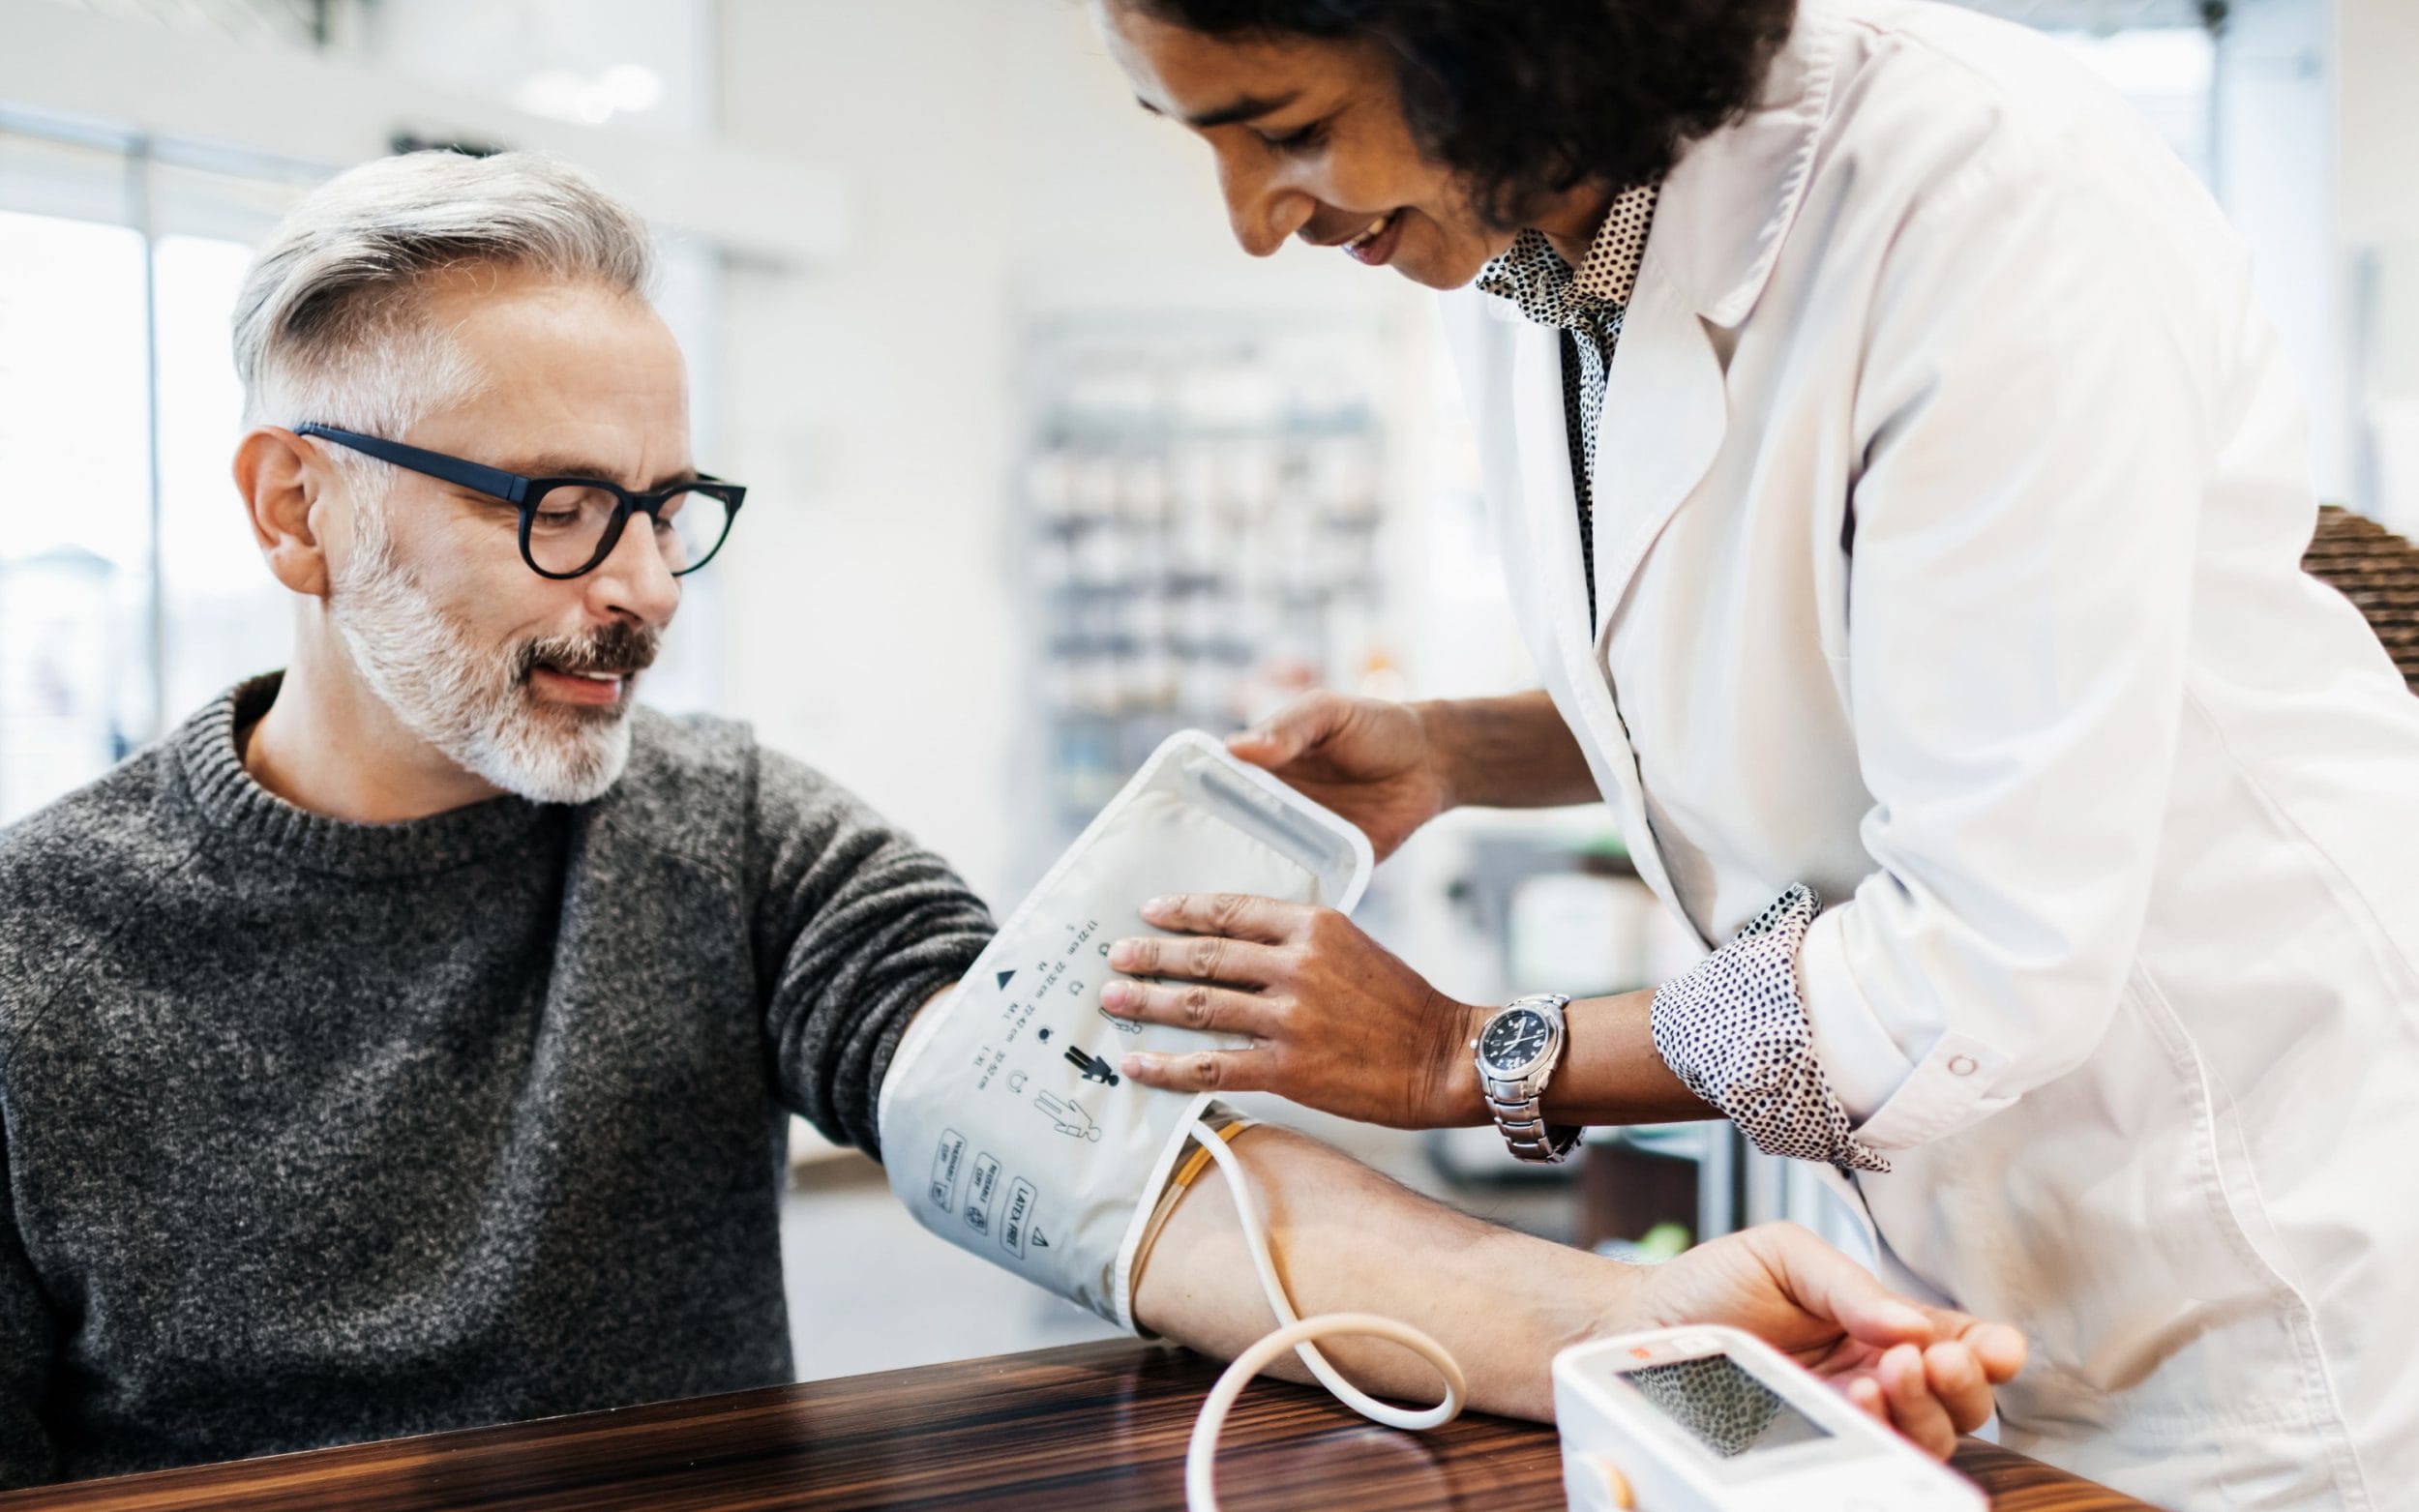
(1513, 1039)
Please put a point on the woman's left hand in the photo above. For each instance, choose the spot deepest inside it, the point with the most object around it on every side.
(1336, 1022)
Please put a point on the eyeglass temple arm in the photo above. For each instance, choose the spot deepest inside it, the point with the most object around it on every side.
(494, 482)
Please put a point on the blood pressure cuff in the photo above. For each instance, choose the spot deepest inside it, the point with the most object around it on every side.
(1006, 1126)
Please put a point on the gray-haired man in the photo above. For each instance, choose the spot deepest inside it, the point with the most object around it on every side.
(407, 1041)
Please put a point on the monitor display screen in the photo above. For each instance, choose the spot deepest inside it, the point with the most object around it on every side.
(1724, 1407)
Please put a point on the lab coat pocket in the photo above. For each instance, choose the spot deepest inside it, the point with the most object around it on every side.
(2168, 1356)
(2290, 1438)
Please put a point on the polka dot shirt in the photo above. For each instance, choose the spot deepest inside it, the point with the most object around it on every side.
(1588, 306)
(1735, 1031)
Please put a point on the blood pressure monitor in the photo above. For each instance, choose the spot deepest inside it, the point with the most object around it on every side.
(1709, 1419)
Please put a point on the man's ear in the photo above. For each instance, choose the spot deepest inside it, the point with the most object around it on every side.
(282, 483)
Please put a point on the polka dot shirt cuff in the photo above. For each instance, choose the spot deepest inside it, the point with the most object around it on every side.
(1736, 1033)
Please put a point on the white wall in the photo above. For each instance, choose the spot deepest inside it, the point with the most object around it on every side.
(268, 104)
(998, 172)
(2379, 113)
(2276, 150)
(553, 58)
(2379, 158)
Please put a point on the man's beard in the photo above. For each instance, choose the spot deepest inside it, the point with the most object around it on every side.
(472, 700)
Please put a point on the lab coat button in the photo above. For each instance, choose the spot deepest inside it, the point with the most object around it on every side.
(1961, 1065)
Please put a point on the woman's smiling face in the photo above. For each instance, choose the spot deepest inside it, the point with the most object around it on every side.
(1311, 142)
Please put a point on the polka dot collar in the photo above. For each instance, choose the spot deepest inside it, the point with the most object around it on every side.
(1534, 276)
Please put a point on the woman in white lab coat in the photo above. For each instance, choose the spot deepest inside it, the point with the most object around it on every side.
(1928, 612)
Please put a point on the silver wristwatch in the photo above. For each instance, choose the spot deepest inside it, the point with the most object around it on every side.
(1518, 1049)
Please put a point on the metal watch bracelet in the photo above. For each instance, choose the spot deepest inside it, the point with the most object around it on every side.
(1516, 1106)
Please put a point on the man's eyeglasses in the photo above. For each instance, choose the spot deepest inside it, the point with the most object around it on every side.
(570, 525)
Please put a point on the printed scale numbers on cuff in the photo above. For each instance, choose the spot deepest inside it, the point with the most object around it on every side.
(1061, 1106)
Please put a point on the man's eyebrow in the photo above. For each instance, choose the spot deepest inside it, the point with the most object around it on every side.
(1251, 107)
(564, 464)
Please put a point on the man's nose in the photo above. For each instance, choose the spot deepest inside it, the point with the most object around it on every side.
(1263, 210)
(633, 581)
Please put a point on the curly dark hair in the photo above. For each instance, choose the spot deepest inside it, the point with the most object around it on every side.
(1529, 98)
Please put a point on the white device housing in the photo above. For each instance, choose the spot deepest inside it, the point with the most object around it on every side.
(1710, 1419)
(1006, 1128)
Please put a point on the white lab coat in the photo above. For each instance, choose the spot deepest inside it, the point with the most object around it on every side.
(1948, 502)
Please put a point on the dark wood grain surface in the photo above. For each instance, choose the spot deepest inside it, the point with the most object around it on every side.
(1098, 1427)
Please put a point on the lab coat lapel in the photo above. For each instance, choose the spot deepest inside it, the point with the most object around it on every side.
(1549, 509)
(1662, 424)
(1724, 211)
(1720, 220)
(1723, 215)
(1549, 519)
(1664, 417)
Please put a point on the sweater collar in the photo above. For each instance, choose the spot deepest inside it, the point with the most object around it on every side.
(240, 811)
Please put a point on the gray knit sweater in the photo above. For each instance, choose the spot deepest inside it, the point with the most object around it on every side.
(317, 1132)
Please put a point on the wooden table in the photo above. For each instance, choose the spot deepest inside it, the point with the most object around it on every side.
(1096, 1427)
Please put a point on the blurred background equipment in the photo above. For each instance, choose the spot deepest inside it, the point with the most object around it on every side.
(1202, 509)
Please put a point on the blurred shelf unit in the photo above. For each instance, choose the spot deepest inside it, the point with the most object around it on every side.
(1201, 506)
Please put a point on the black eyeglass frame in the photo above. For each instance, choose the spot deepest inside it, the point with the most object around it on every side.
(523, 493)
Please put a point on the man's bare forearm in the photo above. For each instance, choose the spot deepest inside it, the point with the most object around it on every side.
(1507, 753)
(1347, 1238)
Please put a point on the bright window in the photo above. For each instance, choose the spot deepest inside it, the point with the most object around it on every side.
(76, 550)
(223, 615)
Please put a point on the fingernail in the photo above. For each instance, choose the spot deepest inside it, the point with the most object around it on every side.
(1157, 905)
(1117, 995)
(2003, 1342)
(1122, 954)
(1140, 1065)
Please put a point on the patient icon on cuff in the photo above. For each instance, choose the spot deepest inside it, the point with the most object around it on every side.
(1070, 1117)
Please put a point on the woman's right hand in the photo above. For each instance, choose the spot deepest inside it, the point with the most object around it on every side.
(1931, 1373)
(1372, 761)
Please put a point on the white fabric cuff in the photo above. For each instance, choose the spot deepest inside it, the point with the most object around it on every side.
(1861, 1061)
(1898, 1103)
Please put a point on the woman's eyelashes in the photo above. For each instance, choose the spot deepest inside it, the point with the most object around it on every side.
(1299, 139)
